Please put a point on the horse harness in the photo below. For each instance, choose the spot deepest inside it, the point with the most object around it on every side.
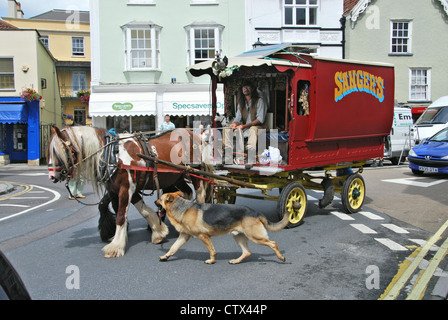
(71, 154)
(110, 161)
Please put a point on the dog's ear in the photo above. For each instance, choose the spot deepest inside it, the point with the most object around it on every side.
(169, 197)
(180, 194)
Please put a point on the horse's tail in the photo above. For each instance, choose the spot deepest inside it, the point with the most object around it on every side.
(106, 223)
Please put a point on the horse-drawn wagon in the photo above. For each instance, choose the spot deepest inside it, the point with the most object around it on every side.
(333, 115)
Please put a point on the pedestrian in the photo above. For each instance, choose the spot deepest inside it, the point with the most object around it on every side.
(380, 162)
(76, 187)
(167, 124)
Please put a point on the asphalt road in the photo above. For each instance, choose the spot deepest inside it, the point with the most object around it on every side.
(57, 250)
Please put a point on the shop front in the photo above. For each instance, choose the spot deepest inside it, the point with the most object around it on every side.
(123, 111)
(19, 131)
(190, 109)
(143, 111)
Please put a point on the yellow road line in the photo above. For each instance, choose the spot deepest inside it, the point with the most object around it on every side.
(396, 281)
(407, 269)
(422, 282)
(26, 186)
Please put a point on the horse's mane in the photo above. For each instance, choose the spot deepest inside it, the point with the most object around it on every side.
(89, 144)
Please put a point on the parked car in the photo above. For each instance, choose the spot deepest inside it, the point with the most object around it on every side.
(432, 120)
(399, 142)
(431, 155)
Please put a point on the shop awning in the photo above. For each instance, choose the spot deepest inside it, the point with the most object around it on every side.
(191, 103)
(103, 104)
(13, 113)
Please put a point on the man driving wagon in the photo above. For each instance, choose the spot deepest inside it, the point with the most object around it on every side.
(250, 117)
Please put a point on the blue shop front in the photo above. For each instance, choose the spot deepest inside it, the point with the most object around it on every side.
(19, 130)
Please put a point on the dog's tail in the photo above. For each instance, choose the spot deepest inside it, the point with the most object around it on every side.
(273, 227)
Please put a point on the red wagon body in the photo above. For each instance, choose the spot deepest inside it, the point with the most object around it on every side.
(334, 113)
(350, 103)
(350, 112)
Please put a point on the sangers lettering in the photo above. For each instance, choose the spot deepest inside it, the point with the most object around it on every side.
(358, 81)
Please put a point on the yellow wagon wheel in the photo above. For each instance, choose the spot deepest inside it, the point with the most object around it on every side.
(224, 195)
(292, 201)
(353, 193)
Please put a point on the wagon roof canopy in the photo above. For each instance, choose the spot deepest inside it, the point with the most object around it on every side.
(267, 55)
(274, 55)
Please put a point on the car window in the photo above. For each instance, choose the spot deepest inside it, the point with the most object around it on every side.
(434, 116)
(441, 136)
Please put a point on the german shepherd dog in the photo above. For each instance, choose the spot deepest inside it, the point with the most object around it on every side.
(204, 220)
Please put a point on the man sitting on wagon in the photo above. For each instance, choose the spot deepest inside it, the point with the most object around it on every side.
(250, 116)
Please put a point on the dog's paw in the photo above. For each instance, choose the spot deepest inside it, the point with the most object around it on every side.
(163, 258)
(234, 261)
(209, 261)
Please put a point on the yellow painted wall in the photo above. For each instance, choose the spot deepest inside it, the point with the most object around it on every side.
(26, 49)
(60, 36)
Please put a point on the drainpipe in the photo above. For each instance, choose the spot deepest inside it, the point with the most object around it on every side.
(342, 21)
(55, 82)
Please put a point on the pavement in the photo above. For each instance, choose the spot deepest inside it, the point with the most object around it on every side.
(6, 187)
(439, 289)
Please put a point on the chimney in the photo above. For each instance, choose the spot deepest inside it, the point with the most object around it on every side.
(15, 9)
(19, 11)
(12, 8)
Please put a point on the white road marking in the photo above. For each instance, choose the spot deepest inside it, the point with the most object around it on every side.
(394, 228)
(370, 215)
(422, 243)
(363, 228)
(391, 244)
(412, 182)
(27, 198)
(342, 216)
(57, 195)
(321, 194)
(14, 205)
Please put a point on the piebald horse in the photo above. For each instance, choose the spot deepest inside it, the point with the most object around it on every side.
(78, 152)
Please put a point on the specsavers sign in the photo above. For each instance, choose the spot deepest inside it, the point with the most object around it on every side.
(190, 103)
(122, 104)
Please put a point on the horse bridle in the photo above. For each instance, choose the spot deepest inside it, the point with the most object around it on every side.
(72, 156)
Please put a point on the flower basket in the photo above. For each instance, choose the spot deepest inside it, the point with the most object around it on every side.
(30, 95)
(84, 96)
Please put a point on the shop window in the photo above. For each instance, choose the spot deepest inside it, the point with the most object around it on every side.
(131, 124)
(20, 137)
(303, 100)
(143, 123)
